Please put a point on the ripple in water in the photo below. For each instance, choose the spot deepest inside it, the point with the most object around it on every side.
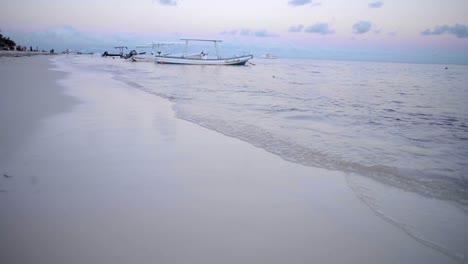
(403, 125)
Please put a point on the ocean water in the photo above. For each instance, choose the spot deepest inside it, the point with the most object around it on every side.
(384, 124)
(402, 124)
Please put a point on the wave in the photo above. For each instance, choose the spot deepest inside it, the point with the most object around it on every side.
(434, 186)
(315, 154)
(202, 103)
(403, 210)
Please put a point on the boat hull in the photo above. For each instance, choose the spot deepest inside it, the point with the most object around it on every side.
(241, 60)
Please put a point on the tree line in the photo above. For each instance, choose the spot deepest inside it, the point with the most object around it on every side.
(6, 42)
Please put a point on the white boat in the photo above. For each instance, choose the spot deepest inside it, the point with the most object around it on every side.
(269, 56)
(201, 58)
(155, 51)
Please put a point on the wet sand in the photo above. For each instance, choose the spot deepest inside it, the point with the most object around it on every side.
(29, 93)
(113, 177)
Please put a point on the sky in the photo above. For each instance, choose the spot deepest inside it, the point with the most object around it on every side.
(421, 31)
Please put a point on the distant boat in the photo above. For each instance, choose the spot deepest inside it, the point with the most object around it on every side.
(201, 58)
(269, 56)
(120, 54)
(155, 51)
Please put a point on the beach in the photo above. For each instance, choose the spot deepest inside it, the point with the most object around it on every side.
(96, 171)
(24, 102)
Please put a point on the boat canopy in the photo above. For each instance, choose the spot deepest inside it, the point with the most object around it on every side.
(215, 41)
(160, 44)
(211, 40)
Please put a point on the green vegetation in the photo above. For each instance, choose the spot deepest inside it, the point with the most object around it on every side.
(6, 42)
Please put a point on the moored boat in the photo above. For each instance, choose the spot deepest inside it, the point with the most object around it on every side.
(202, 58)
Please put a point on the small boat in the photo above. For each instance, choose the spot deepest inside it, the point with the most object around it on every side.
(202, 58)
(155, 51)
(269, 56)
(120, 54)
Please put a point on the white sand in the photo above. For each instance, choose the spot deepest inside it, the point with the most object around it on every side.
(14, 53)
(28, 93)
(119, 180)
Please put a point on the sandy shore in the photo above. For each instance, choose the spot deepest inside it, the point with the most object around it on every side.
(29, 93)
(113, 177)
(11, 53)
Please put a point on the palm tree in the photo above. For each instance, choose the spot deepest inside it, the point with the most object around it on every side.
(6, 42)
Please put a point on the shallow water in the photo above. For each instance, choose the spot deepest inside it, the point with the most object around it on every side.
(400, 124)
(403, 124)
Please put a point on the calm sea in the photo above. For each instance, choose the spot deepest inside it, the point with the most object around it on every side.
(403, 125)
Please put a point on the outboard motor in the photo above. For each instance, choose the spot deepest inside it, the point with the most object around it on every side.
(105, 54)
(131, 54)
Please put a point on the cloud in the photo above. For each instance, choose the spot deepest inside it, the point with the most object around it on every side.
(245, 32)
(297, 28)
(263, 33)
(249, 32)
(461, 31)
(168, 2)
(376, 4)
(298, 2)
(362, 27)
(321, 28)
(426, 32)
(229, 32)
(303, 2)
(315, 4)
(66, 37)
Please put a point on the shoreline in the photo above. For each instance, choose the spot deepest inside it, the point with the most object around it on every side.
(119, 179)
(14, 53)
